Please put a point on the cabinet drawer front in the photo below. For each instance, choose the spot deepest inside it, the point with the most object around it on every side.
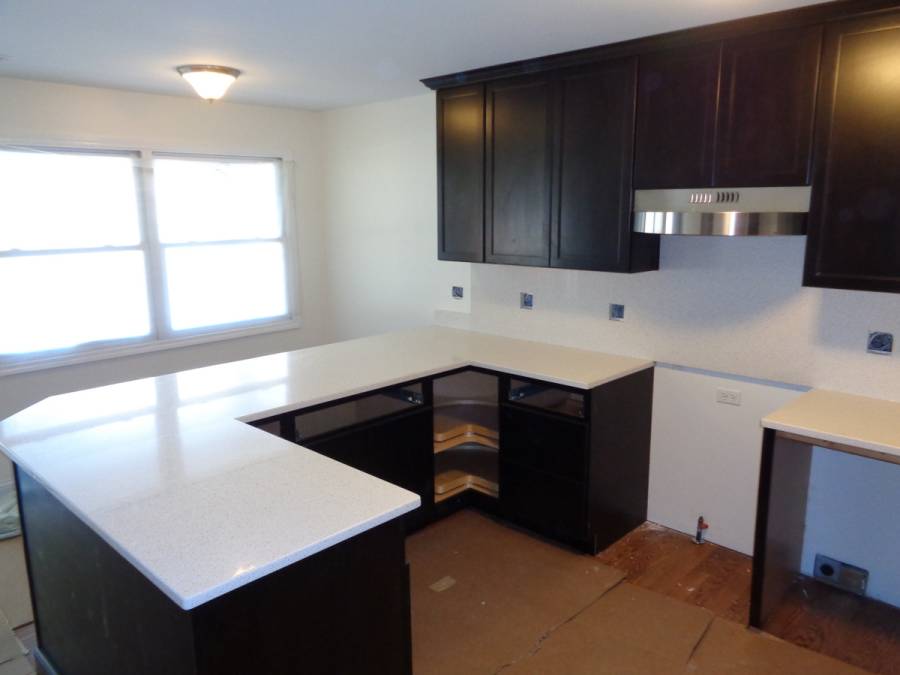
(543, 443)
(552, 506)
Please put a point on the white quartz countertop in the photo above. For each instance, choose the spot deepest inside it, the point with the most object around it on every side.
(867, 424)
(166, 471)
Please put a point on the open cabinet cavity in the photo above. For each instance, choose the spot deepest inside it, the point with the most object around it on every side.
(466, 435)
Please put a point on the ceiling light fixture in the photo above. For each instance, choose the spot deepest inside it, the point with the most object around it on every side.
(210, 82)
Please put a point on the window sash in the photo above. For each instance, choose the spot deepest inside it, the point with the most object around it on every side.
(161, 336)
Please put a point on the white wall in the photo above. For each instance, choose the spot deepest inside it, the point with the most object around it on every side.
(705, 456)
(381, 187)
(851, 515)
(37, 111)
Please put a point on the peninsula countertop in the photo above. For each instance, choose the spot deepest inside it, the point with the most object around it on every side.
(167, 471)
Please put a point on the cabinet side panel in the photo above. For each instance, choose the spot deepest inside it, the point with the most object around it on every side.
(621, 413)
(96, 614)
(343, 610)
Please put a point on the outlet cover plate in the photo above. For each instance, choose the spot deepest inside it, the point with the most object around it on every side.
(880, 343)
(728, 396)
(616, 312)
(840, 574)
(526, 301)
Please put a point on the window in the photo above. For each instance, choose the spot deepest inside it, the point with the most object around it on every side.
(104, 251)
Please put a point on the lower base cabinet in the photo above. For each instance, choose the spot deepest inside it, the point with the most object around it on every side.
(398, 451)
(573, 464)
(552, 506)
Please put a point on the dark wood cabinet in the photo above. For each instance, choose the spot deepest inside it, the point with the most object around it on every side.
(676, 117)
(734, 113)
(574, 465)
(591, 224)
(460, 121)
(854, 221)
(519, 132)
(766, 108)
(398, 450)
(537, 171)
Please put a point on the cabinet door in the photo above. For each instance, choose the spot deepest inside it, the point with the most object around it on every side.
(460, 122)
(519, 123)
(549, 505)
(766, 108)
(676, 108)
(543, 443)
(592, 212)
(854, 221)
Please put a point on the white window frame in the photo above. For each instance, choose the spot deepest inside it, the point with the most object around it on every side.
(161, 337)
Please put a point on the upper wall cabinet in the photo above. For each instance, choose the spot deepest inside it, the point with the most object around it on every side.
(737, 113)
(767, 101)
(676, 117)
(519, 132)
(536, 170)
(460, 121)
(854, 222)
(592, 177)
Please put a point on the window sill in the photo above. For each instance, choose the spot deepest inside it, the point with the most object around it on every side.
(90, 355)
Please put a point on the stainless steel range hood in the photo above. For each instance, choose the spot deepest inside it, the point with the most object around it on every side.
(728, 212)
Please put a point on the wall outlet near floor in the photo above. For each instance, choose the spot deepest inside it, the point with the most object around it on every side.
(880, 343)
(457, 292)
(728, 396)
(526, 301)
(843, 575)
(616, 312)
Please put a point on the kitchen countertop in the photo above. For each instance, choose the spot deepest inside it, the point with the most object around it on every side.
(166, 471)
(856, 424)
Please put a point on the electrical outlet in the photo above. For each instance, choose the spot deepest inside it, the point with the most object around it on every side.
(843, 575)
(616, 312)
(457, 292)
(526, 301)
(728, 396)
(880, 343)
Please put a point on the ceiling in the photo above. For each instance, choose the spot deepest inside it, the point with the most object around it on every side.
(320, 54)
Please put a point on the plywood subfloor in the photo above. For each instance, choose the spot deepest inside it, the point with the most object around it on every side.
(830, 621)
(670, 563)
(855, 630)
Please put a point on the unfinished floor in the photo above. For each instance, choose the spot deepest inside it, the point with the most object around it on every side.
(487, 598)
(856, 630)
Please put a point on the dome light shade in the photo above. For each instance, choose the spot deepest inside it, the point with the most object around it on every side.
(210, 82)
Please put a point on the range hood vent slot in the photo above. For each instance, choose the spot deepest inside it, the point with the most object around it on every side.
(725, 212)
